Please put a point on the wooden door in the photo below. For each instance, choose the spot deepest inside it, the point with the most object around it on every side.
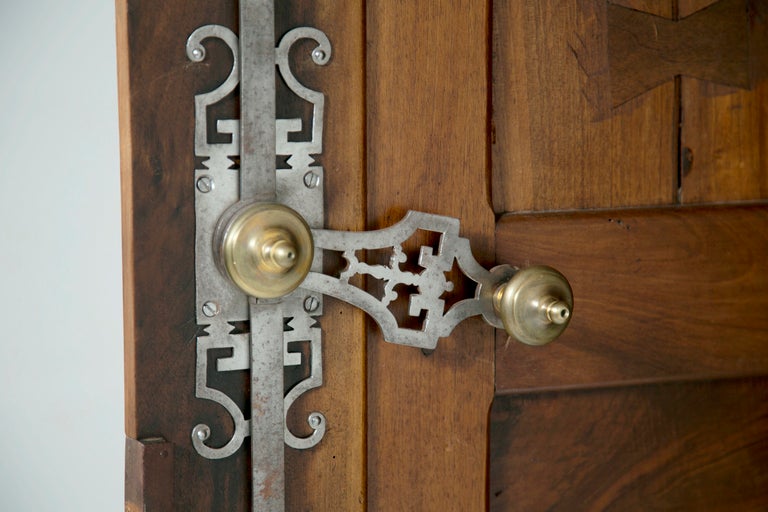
(501, 114)
(652, 182)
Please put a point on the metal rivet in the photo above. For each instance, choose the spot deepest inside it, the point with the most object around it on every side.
(311, 180)
(318, 55)
(311, 304)
(198, 54)
(211, 309)
(315, 420)
(205, 184)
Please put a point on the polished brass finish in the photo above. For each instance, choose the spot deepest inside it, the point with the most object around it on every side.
(278, 254)
(265, 249)
(535, 305)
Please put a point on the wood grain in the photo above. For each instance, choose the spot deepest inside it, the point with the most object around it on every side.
(157, 88)
(724, 143)
(696, 446)
(557, 142)
(724, 136)
(149, 475)
(332, 476)
(689, 7)
(645, 50)
(659, 294)
(427, 150)
(724, 139)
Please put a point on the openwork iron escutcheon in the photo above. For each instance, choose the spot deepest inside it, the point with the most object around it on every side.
(431, 281)
(220, 305)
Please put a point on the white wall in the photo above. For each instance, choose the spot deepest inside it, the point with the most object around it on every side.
(61, 390)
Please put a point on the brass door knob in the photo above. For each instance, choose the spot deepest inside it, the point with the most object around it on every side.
(266, 249)
(535, 305)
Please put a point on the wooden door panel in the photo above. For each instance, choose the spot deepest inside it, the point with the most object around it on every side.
(673, 446)
(427, 76)
(409, 125)
(723, 137)
(558, 142)
(562, 139)
(659, 294)
(596, 110)
(724, 142)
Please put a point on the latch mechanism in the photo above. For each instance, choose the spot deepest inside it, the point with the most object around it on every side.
(259, 255)
(266, 250)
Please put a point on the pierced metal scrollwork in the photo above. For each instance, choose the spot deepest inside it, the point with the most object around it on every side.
(431, 282)
(220, 304)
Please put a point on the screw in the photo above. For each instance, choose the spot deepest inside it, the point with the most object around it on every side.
(318, 55)
(205, 184)
(315, 420)
(210, 309)
(311, 304)
(198, 54)
(311, 180)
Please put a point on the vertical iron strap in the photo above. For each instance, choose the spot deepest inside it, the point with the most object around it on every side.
(267, 439)
(257, 100)
(258, 183)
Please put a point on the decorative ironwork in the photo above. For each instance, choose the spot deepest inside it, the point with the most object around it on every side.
(219, 303)
(253, 243)
(431, 282)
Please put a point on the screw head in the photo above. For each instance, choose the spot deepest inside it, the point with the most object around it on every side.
(205, 184)
(311, 180)
(211, 309)
(311, 304)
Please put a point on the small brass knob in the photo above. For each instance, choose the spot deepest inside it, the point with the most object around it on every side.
(265, 249)
(535, 305)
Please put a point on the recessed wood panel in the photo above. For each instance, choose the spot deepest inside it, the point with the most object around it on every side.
(558, 143)
(724, 139)
(696, 446)
(724, 142)
(658, 294)
(427, 150)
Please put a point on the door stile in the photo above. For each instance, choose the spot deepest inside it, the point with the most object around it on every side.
(427, 139)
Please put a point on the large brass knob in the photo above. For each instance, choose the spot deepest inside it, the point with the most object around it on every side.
(265, 249)
(535, 305)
